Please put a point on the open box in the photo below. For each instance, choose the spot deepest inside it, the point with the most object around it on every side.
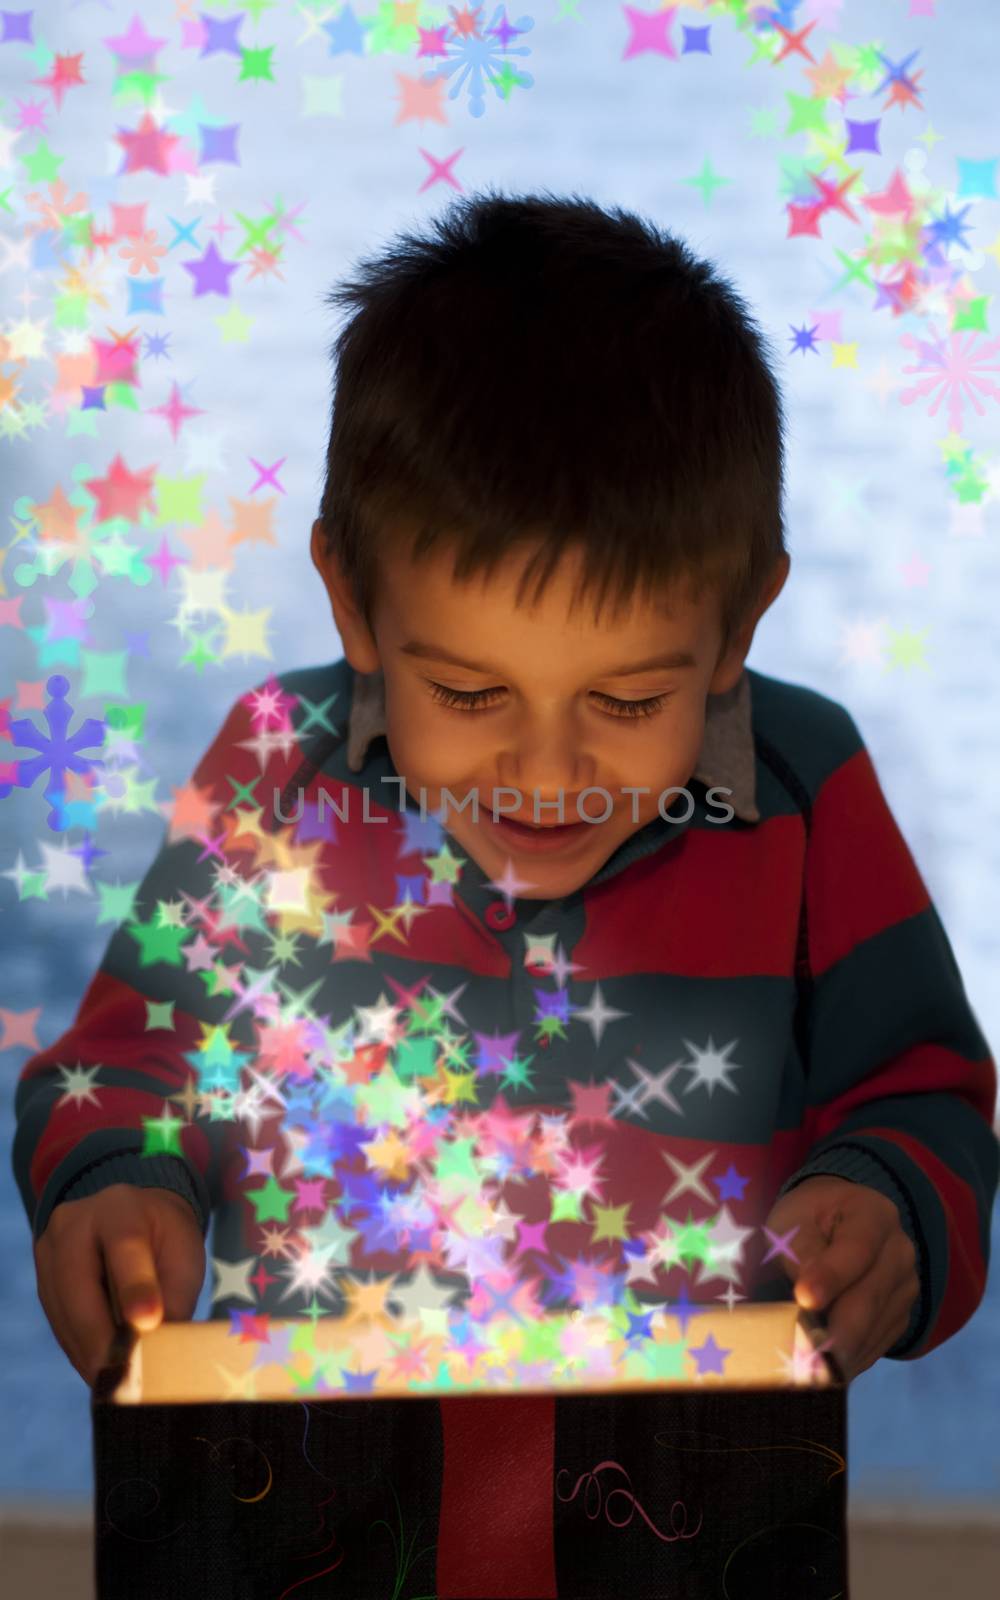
(232, 1466)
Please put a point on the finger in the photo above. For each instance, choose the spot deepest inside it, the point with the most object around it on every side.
(82, 1310)
(132, 1276)
(852, 1251)
(858, 1315)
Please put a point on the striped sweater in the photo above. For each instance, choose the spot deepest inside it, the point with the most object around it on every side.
(725, 1008)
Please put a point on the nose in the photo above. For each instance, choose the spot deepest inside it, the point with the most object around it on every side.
(550, 760)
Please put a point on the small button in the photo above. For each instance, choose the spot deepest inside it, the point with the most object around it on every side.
(500, 915)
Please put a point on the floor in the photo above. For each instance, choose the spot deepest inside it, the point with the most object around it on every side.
(910, 1556)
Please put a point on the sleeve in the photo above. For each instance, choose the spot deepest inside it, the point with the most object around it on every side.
(140, 1088)
(901, 1085)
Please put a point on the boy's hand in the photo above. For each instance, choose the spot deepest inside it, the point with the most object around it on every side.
(854, 1261)
(128, 1247)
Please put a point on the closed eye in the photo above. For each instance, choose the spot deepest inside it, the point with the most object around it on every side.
(484, 699)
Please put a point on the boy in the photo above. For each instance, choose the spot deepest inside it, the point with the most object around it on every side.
(726, 1011)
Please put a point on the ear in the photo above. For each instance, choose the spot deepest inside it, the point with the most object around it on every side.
(360, 647)
(730, 666)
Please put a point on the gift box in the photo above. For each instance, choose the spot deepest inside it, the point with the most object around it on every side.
(279, 1461)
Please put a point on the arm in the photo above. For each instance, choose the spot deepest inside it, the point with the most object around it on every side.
(137, 1089)
(901, 1085)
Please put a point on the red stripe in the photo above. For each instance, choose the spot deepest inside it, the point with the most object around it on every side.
(110, 1020)
(452, 935)
(121, 1110)
(495, 1534)
(693, 908)
(861, 877)
(922, 1069)
(361, 869)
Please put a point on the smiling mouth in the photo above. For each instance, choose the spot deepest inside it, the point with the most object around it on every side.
(538, 836)
(538, 827)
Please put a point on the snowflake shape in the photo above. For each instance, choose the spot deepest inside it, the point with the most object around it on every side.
(953, 364)
(58, 752)
(476, 56)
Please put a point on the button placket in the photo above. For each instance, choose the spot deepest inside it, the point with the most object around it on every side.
(500, 916)
(565, 919)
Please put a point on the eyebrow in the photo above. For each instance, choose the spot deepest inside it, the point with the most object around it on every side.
(432, 652)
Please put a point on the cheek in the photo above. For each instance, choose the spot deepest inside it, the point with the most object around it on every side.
(663, 756)
(426, 752)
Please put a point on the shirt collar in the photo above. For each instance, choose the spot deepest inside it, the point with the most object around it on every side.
(726, 761)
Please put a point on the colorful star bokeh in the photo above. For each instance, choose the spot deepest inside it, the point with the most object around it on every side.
(388, 1096)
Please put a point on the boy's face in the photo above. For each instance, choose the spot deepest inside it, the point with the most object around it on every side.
(537, 704)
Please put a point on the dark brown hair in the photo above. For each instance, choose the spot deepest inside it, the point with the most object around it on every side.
(536, 365)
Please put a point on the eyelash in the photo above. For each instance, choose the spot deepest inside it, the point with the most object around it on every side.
(476, 700)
